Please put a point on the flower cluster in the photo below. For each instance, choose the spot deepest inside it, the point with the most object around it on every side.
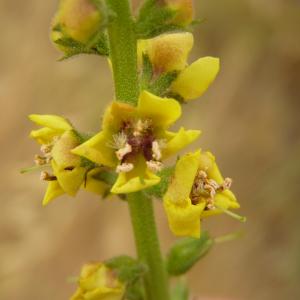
(134, 141)
(129, 153)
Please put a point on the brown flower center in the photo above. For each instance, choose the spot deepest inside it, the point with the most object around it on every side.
(136, 137)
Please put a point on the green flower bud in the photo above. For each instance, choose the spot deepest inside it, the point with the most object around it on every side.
(186, 252)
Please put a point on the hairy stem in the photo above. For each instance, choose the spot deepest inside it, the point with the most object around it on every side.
(147, 244)
(123, 55)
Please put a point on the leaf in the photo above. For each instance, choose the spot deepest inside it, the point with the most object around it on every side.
(147, 72)
(160, 189)
(128, 269)
(154, 19)
(186, 252)
(162, 83)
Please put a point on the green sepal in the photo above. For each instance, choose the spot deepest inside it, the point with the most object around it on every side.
(128, 269)
(160, 189)
(147, 73)
(98, 45)
(161, 85)
(177, 97)
(135, 291)
(154, 19)
(107, 176)
(180, 291)
(186, 252)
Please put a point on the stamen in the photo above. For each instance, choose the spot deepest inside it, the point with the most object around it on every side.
(156, 153)
(40, 160)
(227, 183)
(46, 176)
(46, 148)
(213, 184)
(123, 151)
(154, 166)
(124, 168)
(202, 174)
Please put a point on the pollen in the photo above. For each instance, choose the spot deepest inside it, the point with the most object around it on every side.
(124, 168)
(123, 151)
(154, 166)
(156, 150)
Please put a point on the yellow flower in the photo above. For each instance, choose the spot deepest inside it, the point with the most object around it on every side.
(169, 52)
(197, 190)
(135, 140)
(76, 19)
(97, 282)
(57, 138)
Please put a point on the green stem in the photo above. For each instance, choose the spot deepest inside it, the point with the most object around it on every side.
(123, 52)
(147, 244)
(123, 55)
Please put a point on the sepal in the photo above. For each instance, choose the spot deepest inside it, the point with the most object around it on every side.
(160, 189)
(186, 252)
(154, 19)
(127, 268)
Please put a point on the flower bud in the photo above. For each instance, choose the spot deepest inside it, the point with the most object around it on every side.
(76, 19)
(167, 52)
(186, 253)
(184, 11)
(98, 282)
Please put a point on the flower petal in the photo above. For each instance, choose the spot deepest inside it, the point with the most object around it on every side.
(97, 149)
(184, 220)
(44, 135)
(208, 164)
(138, 179)
(61, 151)
(94, 185)
(193, 81)
(69, 180)
(54, 122)
(180, 140)
(116, 114)
(182, 182)
(162, 111)
(53, 191)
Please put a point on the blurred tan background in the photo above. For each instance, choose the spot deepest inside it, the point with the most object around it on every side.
(249, 118)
